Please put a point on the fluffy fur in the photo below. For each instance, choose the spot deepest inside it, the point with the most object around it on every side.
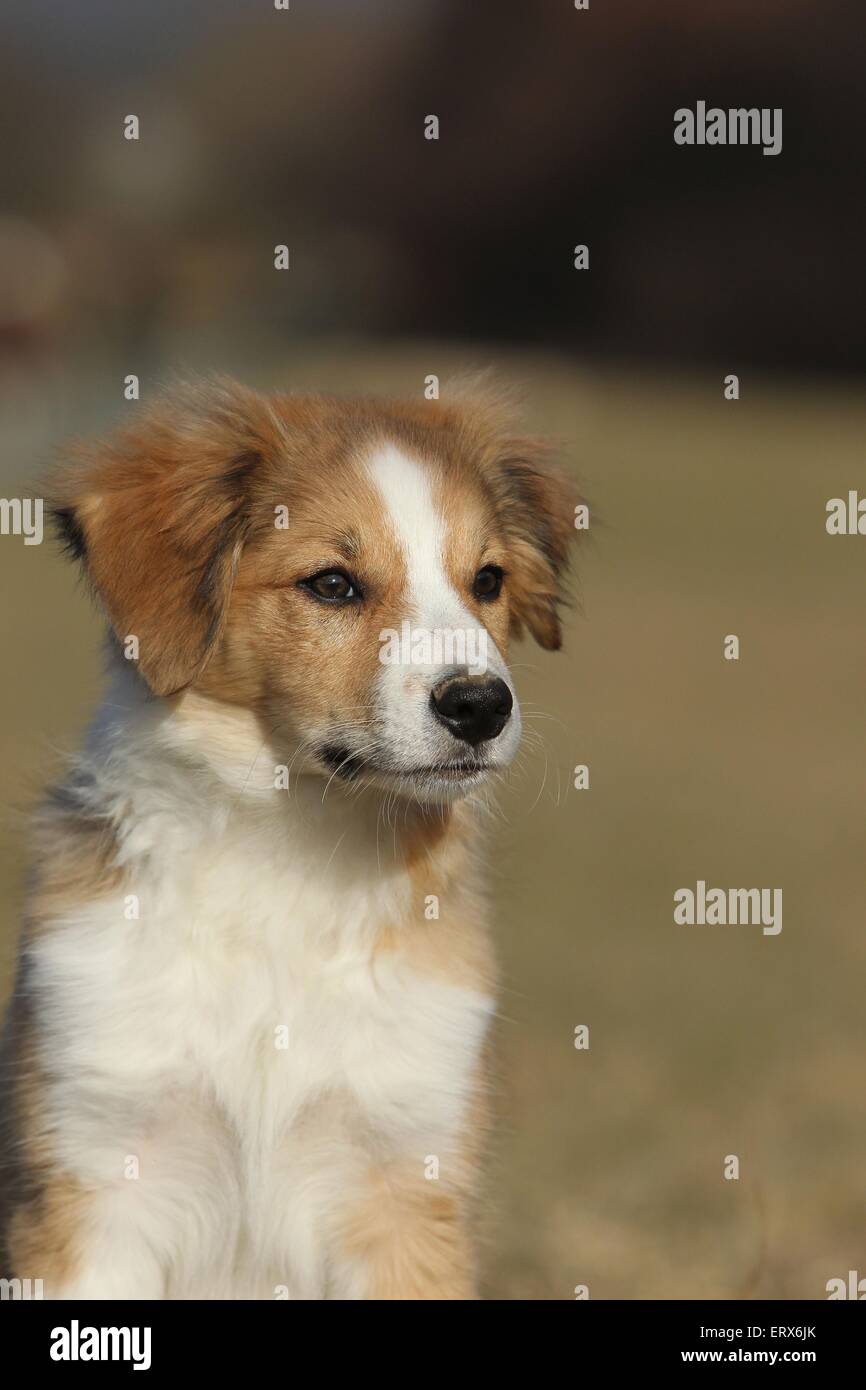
(246, 1053)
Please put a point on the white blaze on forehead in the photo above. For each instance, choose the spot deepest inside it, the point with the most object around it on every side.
(418, 525)
(431, 602)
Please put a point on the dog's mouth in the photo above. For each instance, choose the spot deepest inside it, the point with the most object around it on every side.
(349, 766)
(342, 762)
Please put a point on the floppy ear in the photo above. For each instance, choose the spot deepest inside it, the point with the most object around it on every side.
(158, 515)
(535, 503)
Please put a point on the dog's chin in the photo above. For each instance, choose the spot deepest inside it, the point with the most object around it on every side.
(442, 781)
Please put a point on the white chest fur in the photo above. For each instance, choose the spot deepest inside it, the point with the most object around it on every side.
(230, 1051)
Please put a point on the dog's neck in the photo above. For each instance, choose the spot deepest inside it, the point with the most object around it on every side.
(181, 772)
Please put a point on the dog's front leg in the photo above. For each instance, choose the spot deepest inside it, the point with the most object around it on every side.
(83, 1245)
(406, 1238)
(149, 1211)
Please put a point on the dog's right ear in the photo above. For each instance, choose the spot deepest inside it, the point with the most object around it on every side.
(158, 515)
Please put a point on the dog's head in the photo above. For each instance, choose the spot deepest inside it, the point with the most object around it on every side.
(349, 571)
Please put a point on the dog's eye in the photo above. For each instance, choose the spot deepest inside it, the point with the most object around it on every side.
(332, 586)
(488, 582)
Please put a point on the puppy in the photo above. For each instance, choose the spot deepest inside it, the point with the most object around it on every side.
(247, 1045)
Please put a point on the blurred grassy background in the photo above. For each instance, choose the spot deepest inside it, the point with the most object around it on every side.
(708, 519)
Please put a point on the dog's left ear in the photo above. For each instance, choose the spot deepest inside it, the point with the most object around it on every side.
(536, 503)
(157, 516)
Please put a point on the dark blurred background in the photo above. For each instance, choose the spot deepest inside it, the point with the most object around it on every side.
(305, 127)
(410, 257)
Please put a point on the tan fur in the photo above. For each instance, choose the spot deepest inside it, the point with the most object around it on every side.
(42, 1209)
(76, 863)
(412, 1238)
(45, 1234)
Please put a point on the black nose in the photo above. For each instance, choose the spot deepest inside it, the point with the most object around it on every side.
(472, 707)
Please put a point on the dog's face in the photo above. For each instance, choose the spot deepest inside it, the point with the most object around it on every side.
(349, 571)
